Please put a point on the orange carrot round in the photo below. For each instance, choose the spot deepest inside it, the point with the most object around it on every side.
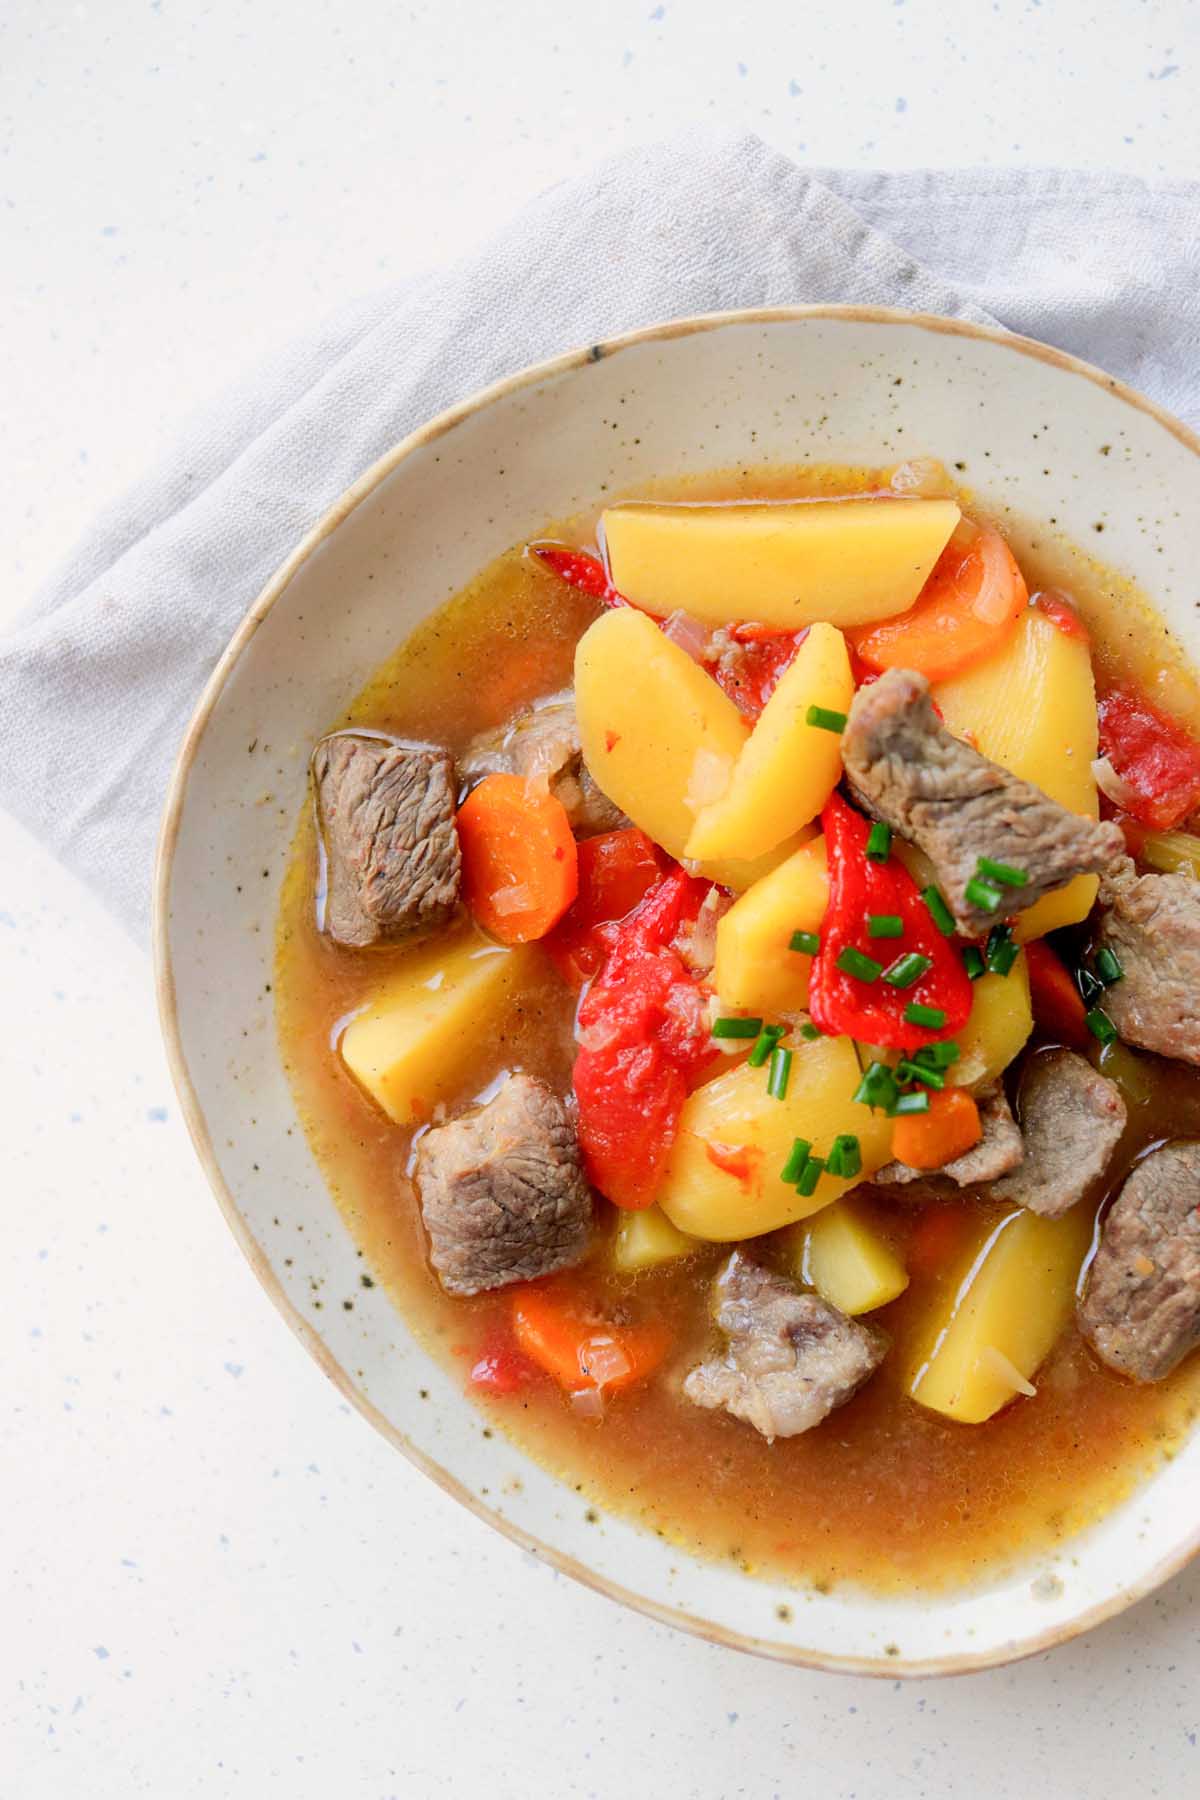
(931, 1139)
(519, 862)
(562, 1335)
(966, 609)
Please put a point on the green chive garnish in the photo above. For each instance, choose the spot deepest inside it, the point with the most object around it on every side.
(809, 942)
(879, 841)
(877, 1087)
(764, 1043)
(907, 969)
(809, 1177)
(914, 1071)
(1101, 1026)
(1001, 952)
(983, 894)
(916, 1102)
(1108, 966)
(736, 1028)
(937, 1056)
(780, 1075)
(854, 962)
(793, 1168)
(1001, 872)
(825, 720)
(809, 1033)
(939, 912)
(932, 1017)
(845, 1157)
(885, 925)
(973, 962)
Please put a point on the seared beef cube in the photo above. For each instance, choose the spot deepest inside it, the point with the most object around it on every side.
(543, 744)
(386, 815)
(1141, 1310)
(503, 1192)
(1152, 923)
(790, 1359)
(905, 768)
(998, 1150)
(1071, 1120)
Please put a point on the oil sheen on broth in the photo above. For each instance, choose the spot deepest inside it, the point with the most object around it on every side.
(884, 1495)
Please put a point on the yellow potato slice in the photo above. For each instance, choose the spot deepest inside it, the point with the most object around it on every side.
(409, 1048)
(845, 1256)
(784, 563)
(1032, 709)
(1001, 1020)
(647, 1239)
(788, 767)
(722, 1180)
(1001, 1318)
(756, 971)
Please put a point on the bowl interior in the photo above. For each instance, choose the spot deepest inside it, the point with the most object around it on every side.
(1036, 434)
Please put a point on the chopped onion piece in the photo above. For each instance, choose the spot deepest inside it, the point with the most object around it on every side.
(587, 1403)
(689, 633)
(1112, 784)
(1007, 1370)
(923, 475)
(709, 778)
(514, 899)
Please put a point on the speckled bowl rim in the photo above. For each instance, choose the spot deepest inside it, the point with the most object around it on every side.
(910, 1668)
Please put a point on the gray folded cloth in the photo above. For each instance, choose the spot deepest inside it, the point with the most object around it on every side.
(115, 650)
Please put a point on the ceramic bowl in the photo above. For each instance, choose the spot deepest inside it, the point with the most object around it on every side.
(827, 384)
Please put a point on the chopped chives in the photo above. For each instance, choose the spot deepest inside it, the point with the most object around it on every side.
(1001, 953)
(764, 1043)
(879, 841)
(938, 1056)
(885, 925)
(973, 962)
(824, 719)
(1090, 989)
(855, 962)
(1101, 1026)
(915, 1071)
(809, 1033)
(736, 1028)
(807, 941)
(932, 1017)
(809, 1176)
(1001, 872)
(916, 1102)
(906, 969)
(1108, 966)
(940, 913)
(780, 1073)
(877, 1087)
(845, 1157)
(793, 1168)
(984, 895)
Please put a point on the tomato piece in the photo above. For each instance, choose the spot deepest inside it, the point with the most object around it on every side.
(872, 1012)
(1060, 610)
(500, 1368)
(1156, 758)
(580, 569)
(616, 869)
(630, 1098)
(966, 609)
(749, 670)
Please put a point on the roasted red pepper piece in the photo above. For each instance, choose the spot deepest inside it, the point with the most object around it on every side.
(616, 869)
(1157, 759)
(1056, 1004)
(873, 1012)
(581, 569)
(643, 1029)
(749, 670)
(1060, 610)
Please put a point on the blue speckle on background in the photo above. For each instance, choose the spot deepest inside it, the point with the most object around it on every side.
(901, 104)
(156, 1114)
(100, 1653)
(234, 1369)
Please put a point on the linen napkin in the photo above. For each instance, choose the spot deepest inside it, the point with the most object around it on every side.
(120, 642)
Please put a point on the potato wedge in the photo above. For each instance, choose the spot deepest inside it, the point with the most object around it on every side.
(658, 733)
(1001, 1316)
(1032, 709)
(722, 1181)
(410, 1047)
(788, 767)
(783, 563)
(755, 971)
(845, 1256)
(1001, 1020)
(647, 1239)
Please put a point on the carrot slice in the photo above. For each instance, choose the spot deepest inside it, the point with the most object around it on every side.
(931, 1139)
(1057, 1006)
(964, 612)
(562, 1335)
(520, 866)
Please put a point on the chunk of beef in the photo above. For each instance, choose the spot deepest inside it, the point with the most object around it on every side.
(904, 767)
(502, 1190)
(386, 815)
(543, 744)
(1141, 1309)
(998, 1150)
(790, 1359)
(1071, 1119)
(1152, 923)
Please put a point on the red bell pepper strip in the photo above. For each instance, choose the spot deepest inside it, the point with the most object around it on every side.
(616, 868)
(1155, 757)
(643, 1029)
(581, 569)
(873, 1011)
(1057, 1008)
(1060, 610)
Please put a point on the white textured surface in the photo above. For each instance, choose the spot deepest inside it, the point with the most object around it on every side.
(219, 1581)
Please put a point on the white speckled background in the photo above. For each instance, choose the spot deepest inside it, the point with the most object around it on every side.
(217, 1580)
